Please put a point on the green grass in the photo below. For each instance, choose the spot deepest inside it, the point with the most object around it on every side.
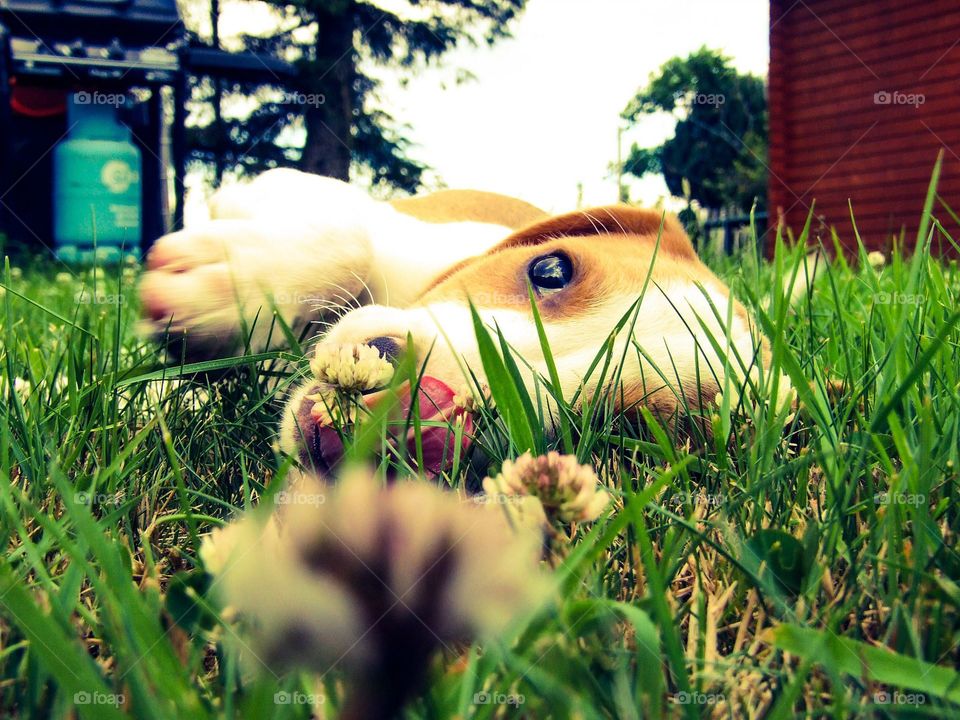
(798, 569)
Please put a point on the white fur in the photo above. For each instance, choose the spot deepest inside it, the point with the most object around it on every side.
(298, 243)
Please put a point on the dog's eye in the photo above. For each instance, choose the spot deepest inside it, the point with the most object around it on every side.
(550, 273)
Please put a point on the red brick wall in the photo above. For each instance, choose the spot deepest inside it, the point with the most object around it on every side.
(834, 139)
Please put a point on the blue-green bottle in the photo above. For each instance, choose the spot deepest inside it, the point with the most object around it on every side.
(96, 183)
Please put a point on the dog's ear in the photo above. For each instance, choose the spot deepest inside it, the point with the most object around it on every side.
(646, 225)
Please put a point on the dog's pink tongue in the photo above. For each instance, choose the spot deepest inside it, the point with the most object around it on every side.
(440, 423)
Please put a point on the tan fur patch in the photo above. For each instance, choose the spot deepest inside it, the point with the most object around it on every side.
(610, 220)
(447, 206)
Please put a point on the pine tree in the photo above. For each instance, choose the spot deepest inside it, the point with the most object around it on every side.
(337, 46)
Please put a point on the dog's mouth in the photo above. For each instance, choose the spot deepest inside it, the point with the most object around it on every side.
(431, 435)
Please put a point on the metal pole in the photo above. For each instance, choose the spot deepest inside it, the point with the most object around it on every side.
(217, 95)
(6, 133)
(620, 197)
(179, 142)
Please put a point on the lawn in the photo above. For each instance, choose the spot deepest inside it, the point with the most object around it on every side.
(802, 563)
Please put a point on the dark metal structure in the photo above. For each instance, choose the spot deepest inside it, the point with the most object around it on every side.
(129, 49)
(734, 227)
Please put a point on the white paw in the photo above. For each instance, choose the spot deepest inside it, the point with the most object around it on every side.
(216, 287)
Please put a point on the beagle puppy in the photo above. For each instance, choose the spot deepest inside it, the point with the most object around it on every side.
(319, 252)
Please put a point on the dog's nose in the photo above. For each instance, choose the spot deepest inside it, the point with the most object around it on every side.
(388, 347)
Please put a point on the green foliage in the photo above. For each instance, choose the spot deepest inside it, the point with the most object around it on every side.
(720, 142)
(339, 50)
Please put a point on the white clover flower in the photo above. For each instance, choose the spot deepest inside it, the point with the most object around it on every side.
(876, 260)
(522, 511)
(158, 392)
(63, 277)
(331, 409)
(786, 394)
(468, 398)
(464, 398)
(259, 576)
(569, 491)
(219, 547)
(16, 273)
(420, 564)
(21, 387)
(351, 367)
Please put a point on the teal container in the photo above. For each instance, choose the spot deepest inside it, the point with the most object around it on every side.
(96, 185)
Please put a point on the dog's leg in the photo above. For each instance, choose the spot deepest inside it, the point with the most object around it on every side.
(298, 244)
(287, 242)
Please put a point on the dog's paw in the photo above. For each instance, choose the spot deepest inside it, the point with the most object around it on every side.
(317, 420)
(214, 289)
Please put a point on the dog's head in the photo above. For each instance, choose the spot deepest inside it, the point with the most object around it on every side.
(587, 270)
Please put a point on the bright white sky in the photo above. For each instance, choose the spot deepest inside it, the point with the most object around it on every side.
(543, 112)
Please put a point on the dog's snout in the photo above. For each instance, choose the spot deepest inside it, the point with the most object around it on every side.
(388, 347)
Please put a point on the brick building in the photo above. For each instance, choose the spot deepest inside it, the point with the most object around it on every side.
(862, 97)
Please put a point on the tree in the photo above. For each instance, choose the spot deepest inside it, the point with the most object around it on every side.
(337, 47)
(718, 153)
